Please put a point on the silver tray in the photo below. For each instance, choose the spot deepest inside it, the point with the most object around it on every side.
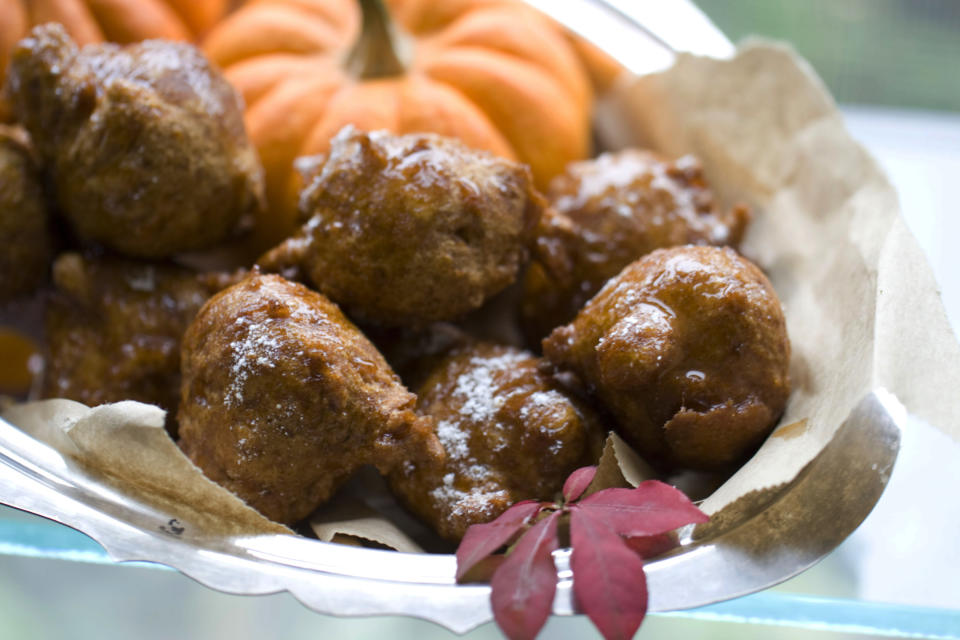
(802, 523)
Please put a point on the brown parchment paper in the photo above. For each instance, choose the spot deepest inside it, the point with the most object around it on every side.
(364, 523)
(862, 306)
(126, 444)
(619, 466)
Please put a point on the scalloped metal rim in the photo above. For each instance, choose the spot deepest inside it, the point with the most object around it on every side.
(750, 556)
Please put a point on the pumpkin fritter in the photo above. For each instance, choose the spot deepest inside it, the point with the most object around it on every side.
(283, 399)
(144, 144)
(606, 213)
(687, 347)
(406, 230)
(114, 328)
(510, 433)
(25, 239)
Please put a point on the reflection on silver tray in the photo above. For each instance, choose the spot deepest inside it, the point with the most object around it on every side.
(801, 524)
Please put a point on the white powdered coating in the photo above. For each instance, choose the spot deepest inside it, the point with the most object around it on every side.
(259, 348)
(423, 166)
(345, 153)
(477, 498)
(477, 390)
(609, 178)
(639, 186)
(472, 487)
(304, 313)
(540, 403)
(455, 440)
(476, 473)
(538, 408)
(478, 501)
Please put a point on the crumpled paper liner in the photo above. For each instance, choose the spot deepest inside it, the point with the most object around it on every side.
(364, 512)
(861, 303)
(331, 521)
(126, 444)
(862, 306)
(619, 466)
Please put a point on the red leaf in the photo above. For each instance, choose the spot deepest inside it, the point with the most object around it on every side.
(483, 539)
(608, 580)
(653, 507)
(524, 585)
(652, 546)
(577, 482)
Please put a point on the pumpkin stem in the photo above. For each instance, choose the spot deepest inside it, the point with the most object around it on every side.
(376, 54)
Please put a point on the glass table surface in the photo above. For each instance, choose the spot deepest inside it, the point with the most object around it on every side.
(895, 576)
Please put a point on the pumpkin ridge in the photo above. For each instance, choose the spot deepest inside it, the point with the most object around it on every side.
(95, 21)
(423, 18)
(492, 28)
(199, 17)
(124, 22)
(379, 111)
(472, 125)
(346, 20)
(562, 137)
(257, 77)
(84, 29)
(279, 28)
(281, 122)
(423, 62)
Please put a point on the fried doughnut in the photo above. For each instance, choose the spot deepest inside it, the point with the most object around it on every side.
(510, 433)
(406, 230)
(688, 348)
(144, 143)
(114, 328)
(283, 399)
(606, 213)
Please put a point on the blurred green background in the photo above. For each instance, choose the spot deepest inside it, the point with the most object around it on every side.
(902, 53)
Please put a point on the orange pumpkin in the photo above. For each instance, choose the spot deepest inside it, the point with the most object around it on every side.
(493, 73)
(115, 20)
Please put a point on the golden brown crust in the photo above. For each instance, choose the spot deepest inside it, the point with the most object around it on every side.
(145, 143)
(606, 213)
(114, 328)
(25, 240)
(510, 433)
(406, 230)
(283, 399)
(687, 347)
